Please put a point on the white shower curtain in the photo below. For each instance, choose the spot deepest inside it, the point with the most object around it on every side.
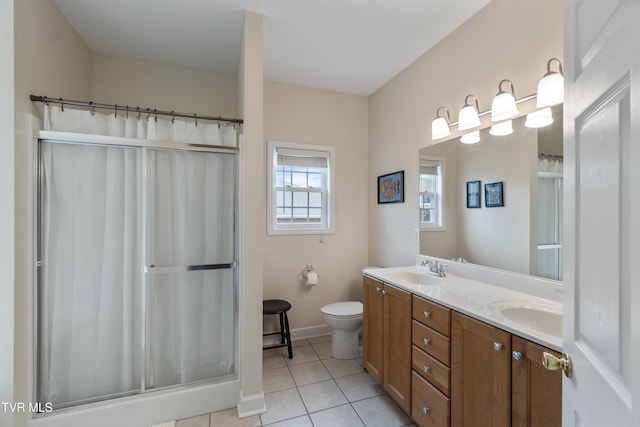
(119, 228)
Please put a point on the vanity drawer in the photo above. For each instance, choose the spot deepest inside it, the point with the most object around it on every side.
(431, 342)
(433, 315)
(429, 407)
(430, 369)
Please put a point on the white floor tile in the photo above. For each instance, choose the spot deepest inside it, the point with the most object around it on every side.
(304, 421)
(309, 373)
(341, 416)
(322, 349)
(321, 338)
(277, 380)
(200, 421)
(272, 359)
(323, 395)
(302, 354)
(359, 386)
(283, 405)
(229, 418)
(381, 411)
(341, 367)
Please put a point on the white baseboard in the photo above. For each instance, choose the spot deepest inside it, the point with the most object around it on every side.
(251, 405)
(300, 334)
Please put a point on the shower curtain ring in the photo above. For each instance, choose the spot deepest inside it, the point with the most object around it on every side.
(93, 109)
(61, 105)
(173, 117)
(139, 113)
(115, 111)
(156, 114)
(127, 112)
(196, 117)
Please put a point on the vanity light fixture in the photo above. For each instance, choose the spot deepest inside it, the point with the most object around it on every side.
(468, 117)
(502, 128)
(551, 86)
(504, 103)
(471, 137)
(440, 125)
(539, 118)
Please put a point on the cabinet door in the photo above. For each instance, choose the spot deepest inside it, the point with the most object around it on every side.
(536, 393)
(372, 336)
(480, 374)
(397, 346)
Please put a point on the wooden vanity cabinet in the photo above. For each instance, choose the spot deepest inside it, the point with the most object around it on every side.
(536, 393)
(386, 338)
(480, 373)
(431, 376)
(497, 379)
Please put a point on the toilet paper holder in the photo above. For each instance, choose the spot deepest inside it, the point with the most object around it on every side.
(308, 269)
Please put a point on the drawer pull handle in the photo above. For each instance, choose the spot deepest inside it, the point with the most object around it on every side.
(426, 369)
(425, 410)
(497, 346)
(426, 341)
(516, 355)
(427, 314)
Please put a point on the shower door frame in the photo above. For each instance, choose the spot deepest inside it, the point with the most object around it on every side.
(147, 270)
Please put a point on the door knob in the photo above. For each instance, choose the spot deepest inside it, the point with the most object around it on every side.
(551, 362)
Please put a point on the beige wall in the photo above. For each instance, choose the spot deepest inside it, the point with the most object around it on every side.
(135, 82)
(311, 116)
(507, 39)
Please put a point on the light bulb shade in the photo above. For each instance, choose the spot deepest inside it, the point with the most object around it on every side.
(551, 86)
(504, 106)
(539, 118)
(471, 137)
(502, 128)
(439, 128)
(550, 90)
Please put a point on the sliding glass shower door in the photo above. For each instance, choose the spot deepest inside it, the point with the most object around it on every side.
(136, 269)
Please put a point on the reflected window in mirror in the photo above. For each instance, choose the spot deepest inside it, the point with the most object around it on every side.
(431, 196)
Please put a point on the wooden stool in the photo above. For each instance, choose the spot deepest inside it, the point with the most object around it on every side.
(279, 307)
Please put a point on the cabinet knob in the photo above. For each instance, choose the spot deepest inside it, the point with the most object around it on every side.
(497, 346)
(427, 314)
(426, 341)
(384, 292)
(378, 289)
(425, 410)
(426, 369)
(516, 355)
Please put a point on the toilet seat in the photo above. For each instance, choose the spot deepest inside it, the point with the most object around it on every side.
(344, 310)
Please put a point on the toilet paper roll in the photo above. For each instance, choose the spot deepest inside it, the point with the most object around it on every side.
(311, 278)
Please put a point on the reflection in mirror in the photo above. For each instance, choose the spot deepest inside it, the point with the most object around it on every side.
(525, 234)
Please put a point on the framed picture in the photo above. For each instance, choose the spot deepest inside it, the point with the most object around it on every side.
(391, 188)
(493, 195)
(473, 194)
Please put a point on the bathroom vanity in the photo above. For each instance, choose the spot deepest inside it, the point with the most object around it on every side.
(465, 349)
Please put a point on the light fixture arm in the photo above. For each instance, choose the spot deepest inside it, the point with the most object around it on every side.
(466, 103)
(549, 67)
(448, 118)
(513, 92)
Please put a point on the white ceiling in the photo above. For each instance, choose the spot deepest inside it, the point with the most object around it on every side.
(350, 46)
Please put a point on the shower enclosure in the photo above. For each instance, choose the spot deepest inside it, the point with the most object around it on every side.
(136, 275)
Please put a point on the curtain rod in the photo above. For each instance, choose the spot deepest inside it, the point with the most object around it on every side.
(116, 107)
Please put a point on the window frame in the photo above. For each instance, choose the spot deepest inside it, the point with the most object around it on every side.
(328, 197)
(440, 195)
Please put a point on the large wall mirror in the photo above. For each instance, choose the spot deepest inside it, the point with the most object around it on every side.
(522, 172)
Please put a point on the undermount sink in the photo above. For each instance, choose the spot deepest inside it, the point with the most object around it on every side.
(415, 278)
(541, 317)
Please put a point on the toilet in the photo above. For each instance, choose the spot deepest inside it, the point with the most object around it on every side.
(345, 320)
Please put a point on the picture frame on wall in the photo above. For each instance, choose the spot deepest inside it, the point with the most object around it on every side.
(473, 194)
(493, 195)
(391, 188)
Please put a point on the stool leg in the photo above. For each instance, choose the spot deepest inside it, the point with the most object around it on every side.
(288, 333)
(282, 334)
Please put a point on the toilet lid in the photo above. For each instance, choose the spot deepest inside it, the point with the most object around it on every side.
(347, 308)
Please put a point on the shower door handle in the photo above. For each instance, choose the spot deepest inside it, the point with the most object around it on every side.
(182, 268)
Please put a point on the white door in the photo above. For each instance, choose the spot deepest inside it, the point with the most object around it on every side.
(602, 212)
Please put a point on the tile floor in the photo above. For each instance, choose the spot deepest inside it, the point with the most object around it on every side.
(313, 390)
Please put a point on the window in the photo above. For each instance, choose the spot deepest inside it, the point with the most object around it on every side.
(431, 194)
(300, 188)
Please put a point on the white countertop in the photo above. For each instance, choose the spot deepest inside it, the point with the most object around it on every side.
(487, 301)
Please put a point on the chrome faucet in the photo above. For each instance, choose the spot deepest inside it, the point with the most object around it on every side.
(435, 268)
